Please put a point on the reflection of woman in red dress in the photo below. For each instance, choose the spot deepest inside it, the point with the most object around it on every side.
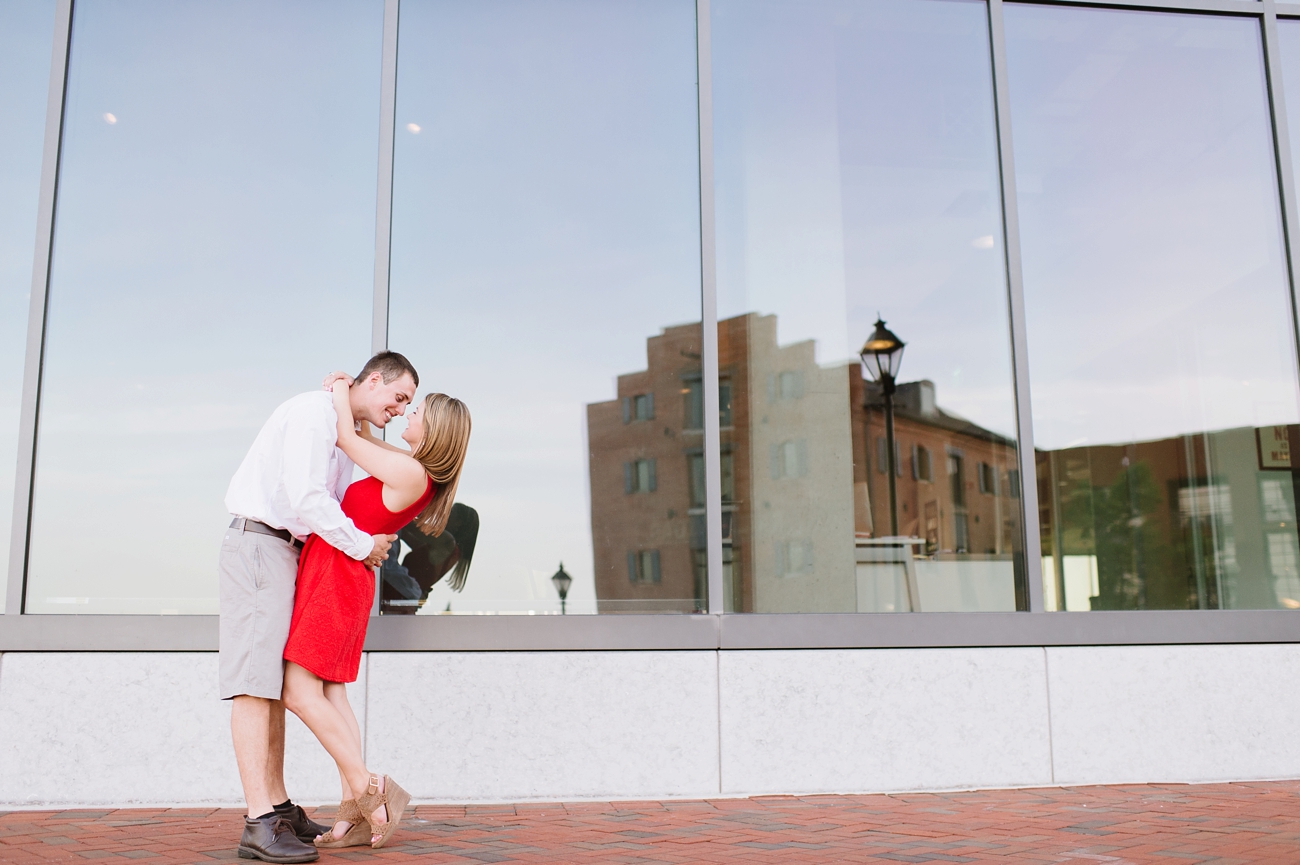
(335, 594)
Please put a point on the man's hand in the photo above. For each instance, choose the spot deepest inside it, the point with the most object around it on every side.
(328, 384)
(380, 551)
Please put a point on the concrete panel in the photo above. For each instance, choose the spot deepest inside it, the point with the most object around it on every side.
(133, 729)
(882, 720)
(552, 725)
(109, 728)
(1174, 713)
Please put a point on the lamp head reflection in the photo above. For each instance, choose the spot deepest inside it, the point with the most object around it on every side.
(562, 581)
(882, 354)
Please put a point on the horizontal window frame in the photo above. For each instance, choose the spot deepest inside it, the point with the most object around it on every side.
(688, 632)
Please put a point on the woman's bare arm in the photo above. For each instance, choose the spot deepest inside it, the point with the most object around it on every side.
(395, 468)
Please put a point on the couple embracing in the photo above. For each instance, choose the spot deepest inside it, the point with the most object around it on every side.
(297, 587)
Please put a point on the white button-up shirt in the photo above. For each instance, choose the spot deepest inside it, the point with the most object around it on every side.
(294, 476)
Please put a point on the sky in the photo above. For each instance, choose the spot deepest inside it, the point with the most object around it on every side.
(545, 225)
(213, 256)
(857, 175)
(1155, 284)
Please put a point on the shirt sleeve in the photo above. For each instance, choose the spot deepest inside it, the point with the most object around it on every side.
(309, 436)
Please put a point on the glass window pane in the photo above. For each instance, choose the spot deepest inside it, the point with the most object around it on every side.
(856, 178)
(26, 43)
(1160, 330)
(546, 271)
(214, 255)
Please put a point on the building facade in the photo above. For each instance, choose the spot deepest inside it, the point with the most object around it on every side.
(645, 241)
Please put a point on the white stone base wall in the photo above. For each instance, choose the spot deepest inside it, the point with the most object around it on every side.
(82, 729)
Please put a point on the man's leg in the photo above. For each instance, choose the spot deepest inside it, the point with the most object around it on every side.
(257, 584)
(275, 754)
(250, 728)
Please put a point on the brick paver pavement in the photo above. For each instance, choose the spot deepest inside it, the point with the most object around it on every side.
(1169, 824)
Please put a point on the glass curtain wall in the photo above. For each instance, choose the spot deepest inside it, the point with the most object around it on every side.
(26, 45)
(857, 187)
(1161, 348)
(546, 270)
(213, 256)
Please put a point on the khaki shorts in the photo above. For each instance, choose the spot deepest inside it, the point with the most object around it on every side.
(257, 574)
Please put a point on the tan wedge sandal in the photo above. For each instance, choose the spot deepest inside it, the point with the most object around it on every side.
(358, 834)
(394, 797)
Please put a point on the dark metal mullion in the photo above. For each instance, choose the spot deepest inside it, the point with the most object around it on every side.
(384, 184)
(1032, 545)
(1282, 158)
(384, 201)
(1210, 7)
(25, 471)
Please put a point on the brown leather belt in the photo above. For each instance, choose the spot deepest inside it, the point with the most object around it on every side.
(248, 525)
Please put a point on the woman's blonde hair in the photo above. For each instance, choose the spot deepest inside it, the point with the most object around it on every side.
(442, 453)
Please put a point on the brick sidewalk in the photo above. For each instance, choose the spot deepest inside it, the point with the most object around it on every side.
(1221, 823)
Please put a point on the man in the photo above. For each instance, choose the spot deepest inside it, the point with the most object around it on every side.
(289, 486)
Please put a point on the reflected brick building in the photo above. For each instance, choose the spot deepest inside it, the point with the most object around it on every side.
(803, 477)
(646, 451)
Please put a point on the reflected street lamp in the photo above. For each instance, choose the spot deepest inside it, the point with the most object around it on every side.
(881, 356)
(562, 582)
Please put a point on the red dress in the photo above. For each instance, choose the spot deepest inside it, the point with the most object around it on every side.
(335, 592)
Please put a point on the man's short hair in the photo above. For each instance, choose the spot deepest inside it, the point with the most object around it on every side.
(391, 366)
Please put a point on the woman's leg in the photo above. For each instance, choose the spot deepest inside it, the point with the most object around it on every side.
(304, 695)
(337, 694)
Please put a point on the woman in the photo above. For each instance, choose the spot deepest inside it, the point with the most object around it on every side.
(334, 595)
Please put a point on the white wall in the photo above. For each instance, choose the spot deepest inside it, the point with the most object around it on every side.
(146, 728)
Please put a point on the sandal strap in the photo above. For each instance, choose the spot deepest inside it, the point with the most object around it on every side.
(350, 813)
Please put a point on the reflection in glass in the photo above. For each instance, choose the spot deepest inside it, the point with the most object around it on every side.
(857, 177)
(1160, 347)
(546, 271)
(26, 43)
(214, 254)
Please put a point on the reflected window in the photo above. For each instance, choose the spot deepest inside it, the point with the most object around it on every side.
(640, 476)
(957, 478)
(546, 270)
(643, 566)
(856, 171)
(639, 407)
(213, 256)
(1157, 307)
(26, 43)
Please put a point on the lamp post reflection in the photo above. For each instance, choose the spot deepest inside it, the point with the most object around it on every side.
(881, 356)
(562, 581)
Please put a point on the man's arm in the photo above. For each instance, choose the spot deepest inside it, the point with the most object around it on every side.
(308, 439)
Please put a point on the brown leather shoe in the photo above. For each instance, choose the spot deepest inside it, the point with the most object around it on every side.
(303, 826)
(272, 839)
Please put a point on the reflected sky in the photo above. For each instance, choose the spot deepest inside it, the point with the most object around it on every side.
(1155, 285)
(1288, 32)
(545, 224)
(26, 43)
(856, 170)
(214, 254)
